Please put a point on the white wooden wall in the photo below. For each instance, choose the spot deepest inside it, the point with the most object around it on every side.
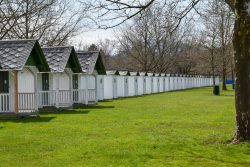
(148, 85)
(141, 85)
(26, 81)
(161, 84)
(108, 87)
(155, 85)
(115, 87)
(100, 87)
(131, 85)
(121, 86)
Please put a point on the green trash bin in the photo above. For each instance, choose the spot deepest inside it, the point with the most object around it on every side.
(217, 90)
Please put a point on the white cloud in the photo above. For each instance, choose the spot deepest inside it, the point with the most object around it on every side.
(91, 37)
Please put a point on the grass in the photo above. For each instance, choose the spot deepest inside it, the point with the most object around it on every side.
(183, 128)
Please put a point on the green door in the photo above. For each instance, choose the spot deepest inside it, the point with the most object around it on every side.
(45, 81)
(4, 88)
(45, 88)
(75, 87)
(4, 82)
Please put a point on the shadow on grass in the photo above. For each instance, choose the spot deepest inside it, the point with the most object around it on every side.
(62, 112)
(129, 97)
(227, 95)
(29, 119)
(93, 107)
(106, 101)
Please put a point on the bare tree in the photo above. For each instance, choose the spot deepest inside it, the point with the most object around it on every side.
(52, 22)
(225, 21)
(150, 42)
(8, 17)
(187, 58)
(210, 44)
(108, 49)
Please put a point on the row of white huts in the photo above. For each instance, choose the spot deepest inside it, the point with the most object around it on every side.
(32, 77)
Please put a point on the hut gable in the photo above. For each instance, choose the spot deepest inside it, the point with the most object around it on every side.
(91, 61)
(123, 73)
(16, 54)
(132, 73)
(61, 57)
(112, 72)
(150, 74)
(142, 73)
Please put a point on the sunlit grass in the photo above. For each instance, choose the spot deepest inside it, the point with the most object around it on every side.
(183, 128)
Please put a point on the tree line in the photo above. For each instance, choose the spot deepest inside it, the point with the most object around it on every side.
(151, 42)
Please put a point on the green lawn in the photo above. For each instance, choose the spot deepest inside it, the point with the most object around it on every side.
(183, 128)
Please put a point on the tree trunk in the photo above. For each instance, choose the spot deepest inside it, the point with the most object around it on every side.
(232, 78)
(242, 69)
(224, 78)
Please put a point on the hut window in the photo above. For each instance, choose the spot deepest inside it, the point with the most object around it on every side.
(45, 81)
(4, 84)
(75, 81)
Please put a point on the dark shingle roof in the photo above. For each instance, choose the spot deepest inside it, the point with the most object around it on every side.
(88, 61)
(58, 57)
(15, 53)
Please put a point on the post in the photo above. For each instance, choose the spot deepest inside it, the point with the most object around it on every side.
(34, 73)
(86, 90)
(57, 89)
(71, 88)
(15, 72)
(96, 98)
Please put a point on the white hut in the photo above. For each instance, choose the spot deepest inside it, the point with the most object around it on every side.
(183, 81)
(162, 82)
(149, 82)
(192, 81)
(156, 82)
(20, 60)
(176, 79)
(122, 82)
(60, 88)
(133, 84)
(171, 82)
(167, 82)
(100, 87)
(94, 69)
(142, 83)
(178, 82)
(110, 85)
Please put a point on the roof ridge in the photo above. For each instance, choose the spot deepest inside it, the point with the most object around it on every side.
(81, 51)
(57, 47)
(13, 40)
